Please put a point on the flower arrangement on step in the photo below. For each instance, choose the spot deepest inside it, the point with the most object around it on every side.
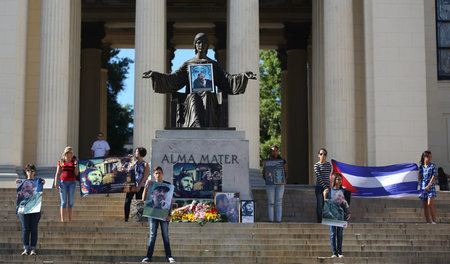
(201, 212)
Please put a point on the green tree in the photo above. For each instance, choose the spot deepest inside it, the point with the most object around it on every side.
(119, 117)
(270, 101)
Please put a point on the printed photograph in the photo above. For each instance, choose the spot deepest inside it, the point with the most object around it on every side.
(29, 196)
(274, 170)
(201, 77)
(158, 200)
(197, 180)
(335, 210)
(106, 175)
(228, 204)
(248, 211)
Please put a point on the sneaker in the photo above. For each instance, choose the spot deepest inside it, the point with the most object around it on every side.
(433, 223)
(33, 252)
(171, 260)
(25, 252)
(146, 260)
(333, 256)
(340, 255)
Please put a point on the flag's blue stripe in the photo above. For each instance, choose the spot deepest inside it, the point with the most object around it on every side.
(394, 189)
(375, 171)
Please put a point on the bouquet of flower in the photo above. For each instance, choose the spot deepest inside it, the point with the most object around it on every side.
(201, 212)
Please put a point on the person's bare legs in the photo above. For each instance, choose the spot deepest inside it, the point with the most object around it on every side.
(426, 210)
(63, 214)
(70, 214)
(431, 208)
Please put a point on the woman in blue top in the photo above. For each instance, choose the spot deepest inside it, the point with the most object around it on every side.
(336, 192)
(427, 177)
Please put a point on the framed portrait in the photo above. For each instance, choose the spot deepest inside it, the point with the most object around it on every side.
(228, 203)
(274, 171)
(201, 77)
(158, 200)
(247, 211)
(199, 180)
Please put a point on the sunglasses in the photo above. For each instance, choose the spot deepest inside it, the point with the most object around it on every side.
(30, 170)
(322, 154)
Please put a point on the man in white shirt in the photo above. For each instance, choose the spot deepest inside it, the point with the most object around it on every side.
(100, 148)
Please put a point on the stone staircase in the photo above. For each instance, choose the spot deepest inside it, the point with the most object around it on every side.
(381, 231)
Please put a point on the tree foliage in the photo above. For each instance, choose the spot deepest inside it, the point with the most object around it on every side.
(119, 117)
(270, 101)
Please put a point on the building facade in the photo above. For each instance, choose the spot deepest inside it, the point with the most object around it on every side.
(365, 79)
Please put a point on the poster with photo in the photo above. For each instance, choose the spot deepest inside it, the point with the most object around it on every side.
(158, 200)
(335, 210)
(228, 204)
(29, 196)
(274, 171)
(201, 77)
(247, 211)
(197, 180)
(106, 175)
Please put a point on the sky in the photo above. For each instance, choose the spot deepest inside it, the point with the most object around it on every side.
(127, 95)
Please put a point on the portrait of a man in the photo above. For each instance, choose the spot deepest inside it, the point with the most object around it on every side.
(201, 77)
(228, 204)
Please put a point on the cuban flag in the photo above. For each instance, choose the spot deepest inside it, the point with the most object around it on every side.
(398, 180)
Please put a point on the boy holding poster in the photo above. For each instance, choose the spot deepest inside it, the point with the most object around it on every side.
(157, 207)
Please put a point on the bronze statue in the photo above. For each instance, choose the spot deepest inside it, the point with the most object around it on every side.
(200, 109)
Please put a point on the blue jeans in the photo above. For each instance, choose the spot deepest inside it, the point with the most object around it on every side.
(336, 233)
(67, 193)
(319, 205)
(275, 197)
(153, 223)
(30, 226)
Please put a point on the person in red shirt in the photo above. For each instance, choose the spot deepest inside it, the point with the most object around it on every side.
(65, 181)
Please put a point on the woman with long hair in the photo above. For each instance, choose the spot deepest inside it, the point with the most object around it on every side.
(65, 181)
(427, 177)
(336, 190)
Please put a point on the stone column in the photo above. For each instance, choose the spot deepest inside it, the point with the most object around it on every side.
(53, 81)
(339, 74)
(103, 103)
(243, 55)
(13, 51)
(220, 50)
(282, 57)
(90, 86)
(317, 81)
(150, 43)
(74, 74)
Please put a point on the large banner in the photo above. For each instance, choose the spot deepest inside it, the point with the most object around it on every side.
(158, 200)
(197, 180)
(29, 196)
(106, 175)
(396, 180)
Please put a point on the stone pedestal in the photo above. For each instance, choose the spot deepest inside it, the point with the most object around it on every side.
(226, 147)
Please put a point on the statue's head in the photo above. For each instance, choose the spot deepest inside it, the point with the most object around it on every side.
(201, 37)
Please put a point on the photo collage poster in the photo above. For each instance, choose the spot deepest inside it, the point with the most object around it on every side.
(274, 171)
(200, 180)
(106, 175)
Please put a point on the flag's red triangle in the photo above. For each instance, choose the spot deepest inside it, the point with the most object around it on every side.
(345, 184)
